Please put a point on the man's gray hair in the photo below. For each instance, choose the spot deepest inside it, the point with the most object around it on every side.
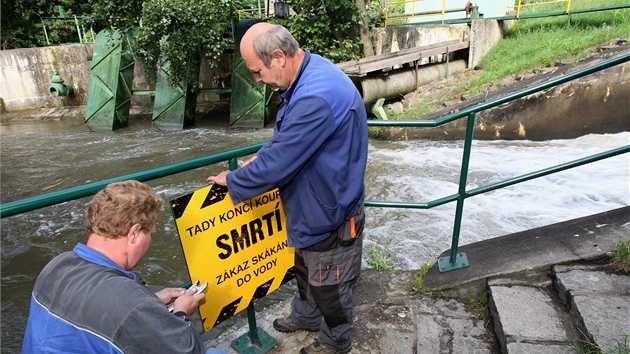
(276, 38)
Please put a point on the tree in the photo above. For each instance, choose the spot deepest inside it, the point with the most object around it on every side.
(327, 27)
(173, 31)
(364, 29)
(21, 22)
(180, 31)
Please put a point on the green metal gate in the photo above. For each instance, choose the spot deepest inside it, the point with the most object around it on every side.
(175, 106)
(111, 75)
(248, 104)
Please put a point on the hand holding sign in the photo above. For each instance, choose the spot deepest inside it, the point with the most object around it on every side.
(219, 179)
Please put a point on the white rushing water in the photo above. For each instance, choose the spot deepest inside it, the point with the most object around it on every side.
(423, 171)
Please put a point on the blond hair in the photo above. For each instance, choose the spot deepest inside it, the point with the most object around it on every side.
(119, 206)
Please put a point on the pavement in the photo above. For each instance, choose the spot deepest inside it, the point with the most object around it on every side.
(544, 290)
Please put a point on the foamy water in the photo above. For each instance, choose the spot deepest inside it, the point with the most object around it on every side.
(423, 171)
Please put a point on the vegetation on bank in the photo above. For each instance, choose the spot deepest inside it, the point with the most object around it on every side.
(378, 258)
(532, 45)
(620, 259)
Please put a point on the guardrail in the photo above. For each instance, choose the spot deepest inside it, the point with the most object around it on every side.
(519, 11)
(389, 16)
(455, 260)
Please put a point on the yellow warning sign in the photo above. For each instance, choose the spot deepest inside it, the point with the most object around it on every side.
(240, 250)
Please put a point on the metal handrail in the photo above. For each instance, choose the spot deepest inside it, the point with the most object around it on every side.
(44, 200)
(455, 260)
(516, 16)
(459, 260)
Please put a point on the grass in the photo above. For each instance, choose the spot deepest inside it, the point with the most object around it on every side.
(533, 43)
(378, 258)
(418, 285)
(621, 347)
(480, 306)
(620, 259)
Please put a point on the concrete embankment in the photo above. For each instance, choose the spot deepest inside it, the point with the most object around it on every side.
(593, 104)
(548, 292)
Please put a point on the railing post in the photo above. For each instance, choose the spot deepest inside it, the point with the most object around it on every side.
(233, 164)
(460, 260)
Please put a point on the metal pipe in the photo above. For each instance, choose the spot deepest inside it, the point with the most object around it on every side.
(402, 81)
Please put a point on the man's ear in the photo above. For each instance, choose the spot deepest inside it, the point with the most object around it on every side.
(278, 55)
(132, 234)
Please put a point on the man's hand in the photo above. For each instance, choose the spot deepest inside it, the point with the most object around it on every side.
(167, 295)
(188, 301)
(219, 179)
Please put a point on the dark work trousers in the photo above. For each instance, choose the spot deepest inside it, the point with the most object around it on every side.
(325, 273)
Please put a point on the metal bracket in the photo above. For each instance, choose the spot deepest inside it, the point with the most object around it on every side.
(445, 265)
(256, 341)
(245, 345)
(377, 109)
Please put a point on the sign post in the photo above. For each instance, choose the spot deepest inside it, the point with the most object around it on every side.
(240, 250)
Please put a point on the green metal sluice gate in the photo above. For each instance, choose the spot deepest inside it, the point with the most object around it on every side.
(174, 107)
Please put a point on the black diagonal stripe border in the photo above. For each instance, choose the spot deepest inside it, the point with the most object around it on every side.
(179, 205)
(289, 275)
(216, 194)
(228, 311)
(261, 291)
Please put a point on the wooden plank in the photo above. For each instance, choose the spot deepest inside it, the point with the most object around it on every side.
(385, 61)
(376, 58)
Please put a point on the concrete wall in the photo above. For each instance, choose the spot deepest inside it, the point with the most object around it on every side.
(484, 34)
(392, 39)
(25, 74)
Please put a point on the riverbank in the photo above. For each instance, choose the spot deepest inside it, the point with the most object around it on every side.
(596, 103)
(468, 311)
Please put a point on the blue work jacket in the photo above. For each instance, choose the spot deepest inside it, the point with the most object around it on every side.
(317, 156)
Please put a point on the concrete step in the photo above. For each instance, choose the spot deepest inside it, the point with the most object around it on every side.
(598, 302)
(571, 310)
(528, 317)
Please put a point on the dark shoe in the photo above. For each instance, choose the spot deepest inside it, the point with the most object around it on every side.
(287, 326)
(317, 348)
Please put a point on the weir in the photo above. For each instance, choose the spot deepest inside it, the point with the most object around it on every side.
(377, 78)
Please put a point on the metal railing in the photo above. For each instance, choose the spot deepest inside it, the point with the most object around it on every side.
(519, 11)
(459, 260)
(413, 14)
(259, 12)
(455, 260)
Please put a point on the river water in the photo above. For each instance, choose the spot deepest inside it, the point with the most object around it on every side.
(44, 156)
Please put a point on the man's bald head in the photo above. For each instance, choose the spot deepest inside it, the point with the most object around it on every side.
(263, 38)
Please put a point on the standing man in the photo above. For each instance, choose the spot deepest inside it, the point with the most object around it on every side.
(89, 301)
(317, 158)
